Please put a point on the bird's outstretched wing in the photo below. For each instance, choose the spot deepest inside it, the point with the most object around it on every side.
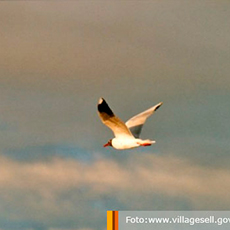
(112, 121)
(136, 123)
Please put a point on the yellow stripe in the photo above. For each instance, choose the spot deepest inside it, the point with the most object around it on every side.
(109, 220)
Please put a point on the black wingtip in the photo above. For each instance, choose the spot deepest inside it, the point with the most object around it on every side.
(159, 105)
(103, 107)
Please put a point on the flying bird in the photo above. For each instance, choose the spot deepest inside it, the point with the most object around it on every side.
(126, 134)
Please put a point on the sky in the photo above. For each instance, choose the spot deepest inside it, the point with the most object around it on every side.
(59, 57)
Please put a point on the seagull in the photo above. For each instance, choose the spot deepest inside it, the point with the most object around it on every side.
(126, 134)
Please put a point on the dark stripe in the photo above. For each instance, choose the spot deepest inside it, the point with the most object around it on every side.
(157, 107)
(114, 222)
(104, 108)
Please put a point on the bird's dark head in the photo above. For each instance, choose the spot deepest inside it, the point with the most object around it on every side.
(109, 143)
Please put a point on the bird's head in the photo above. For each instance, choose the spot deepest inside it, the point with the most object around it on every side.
(109, 143)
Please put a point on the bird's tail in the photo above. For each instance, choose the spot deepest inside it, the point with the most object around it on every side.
(146, 142)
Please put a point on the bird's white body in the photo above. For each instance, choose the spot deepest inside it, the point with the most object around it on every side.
(129, 143)
(126, 134)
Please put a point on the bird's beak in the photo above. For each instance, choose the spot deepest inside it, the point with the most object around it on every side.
(107, 144)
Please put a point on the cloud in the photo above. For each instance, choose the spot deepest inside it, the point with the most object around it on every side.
(163, 174)
(66, 191)
(60, 186)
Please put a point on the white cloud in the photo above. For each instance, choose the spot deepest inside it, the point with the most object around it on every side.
(167, 175)
(69, 191)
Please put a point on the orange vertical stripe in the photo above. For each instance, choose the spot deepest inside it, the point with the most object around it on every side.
(115, 220)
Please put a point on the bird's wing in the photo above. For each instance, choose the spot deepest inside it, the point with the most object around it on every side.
(112, 121)
(136, 123)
